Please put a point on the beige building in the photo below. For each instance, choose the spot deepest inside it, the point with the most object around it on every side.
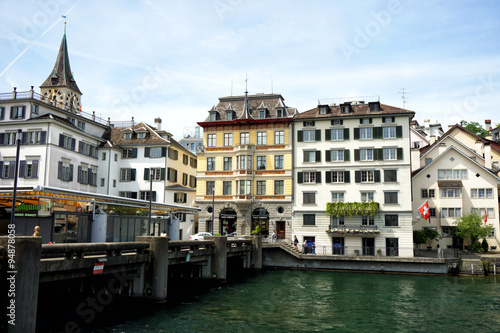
(245, 169)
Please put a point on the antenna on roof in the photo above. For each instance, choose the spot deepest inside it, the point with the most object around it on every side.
(246, 84)
(403, 93)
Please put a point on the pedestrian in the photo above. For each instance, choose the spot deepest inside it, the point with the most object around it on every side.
(314, 248)
(164, 234)
(37, 232)
(295, 243)
(273, 236)
(440, 252)
(304, 247)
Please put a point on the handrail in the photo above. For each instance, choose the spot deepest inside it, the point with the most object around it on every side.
(80, 249)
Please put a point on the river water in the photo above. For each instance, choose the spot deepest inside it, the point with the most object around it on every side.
(312, 301)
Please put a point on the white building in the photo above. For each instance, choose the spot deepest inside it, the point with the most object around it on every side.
(354, 153)
(458, 175)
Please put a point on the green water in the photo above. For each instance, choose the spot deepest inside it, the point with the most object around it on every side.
(295, 301)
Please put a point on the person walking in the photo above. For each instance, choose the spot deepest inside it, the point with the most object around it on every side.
(295, 243)
(304, 247)
(37, 232)
(314, 248)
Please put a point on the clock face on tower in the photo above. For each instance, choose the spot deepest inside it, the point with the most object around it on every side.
(72, 100)
(53, 94)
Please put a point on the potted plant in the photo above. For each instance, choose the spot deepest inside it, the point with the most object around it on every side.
(379, 252)
(356, 252)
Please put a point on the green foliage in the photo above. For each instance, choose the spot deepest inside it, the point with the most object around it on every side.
(474, 128)
(337, 209)
(471, 228)
(217, 234)
(419, 237)
(256, 231)
(485, 245)
(430, 235)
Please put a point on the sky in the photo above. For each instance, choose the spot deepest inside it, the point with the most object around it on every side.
(174, 59)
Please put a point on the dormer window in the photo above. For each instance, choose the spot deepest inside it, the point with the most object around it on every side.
(262, 114)
(229, 115)
(280, 113)
(374, 106)
(127, 136)
(323, 109)
(213, 116)
(141, 135)
(345, 108)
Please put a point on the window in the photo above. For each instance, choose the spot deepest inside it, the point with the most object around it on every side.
(180, 197)
(390, 176)
(185, 178)
(83, 175)
(245, 186)
(450, 192)
(172, 175)
(337, 155)
(390, 154)
(449, 231)
(391, 220)
(279, 187)
(126, 175)
(279, 137)
(368, 220)
(309, 197)
(172, 153)
(261, 187)
(129, 153)
(193, 162)
(366, 154)
(8, 169)
(366, 133)
(227, 188)
(34, 137)
(337, 196)
(280, 113)
(141, 135)
(427, 193)
(34, 109)
(388, 120)
(323, 109)
(337, 176)
(17, 112)
(389, 132)
(81, 125)
(127, 194)
(452, 174)
(102, 182)
(114, 182)
(155, 152)
(261, 138)
(432, 212)
(481, 193)
(213, 116)
(337, 134)
(116, 157)
(309, 219)
(262, 114)
(451, 212)
(229, 115)
(245, 162)
(312, 155)
(279, 162)
(104, 156)
(210, 188)
(336, 221)
(211, 140)
(228, 163)
(309, 177)
(428, 161)
(66, 141)
(244, 138)
(365, 121)
(367, 196)
(309, 135)
(210, 163)
(145, 195)
(480, 212)
(367, 176)
(228, 139)
(261, 162)
(127, 136)
(192, 181)
(391, 197)
(155, 174)
(65, 171)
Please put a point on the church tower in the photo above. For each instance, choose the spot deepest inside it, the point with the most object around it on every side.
(60, 89)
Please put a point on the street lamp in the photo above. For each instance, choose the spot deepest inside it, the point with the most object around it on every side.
(16, 174)
(150, 198)
(213, 211)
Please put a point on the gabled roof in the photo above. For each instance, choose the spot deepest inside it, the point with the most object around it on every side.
(456, 141)
(418, 171)
(61, 75)
(357, 110)
(495, 146)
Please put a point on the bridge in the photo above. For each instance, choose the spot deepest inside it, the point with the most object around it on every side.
(140, 268)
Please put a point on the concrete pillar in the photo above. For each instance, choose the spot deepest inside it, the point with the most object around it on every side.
(157, 275)
(256, 261)
(219, 257)
(23, 280)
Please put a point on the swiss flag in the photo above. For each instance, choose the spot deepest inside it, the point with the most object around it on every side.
(424, 210)
(485, 216)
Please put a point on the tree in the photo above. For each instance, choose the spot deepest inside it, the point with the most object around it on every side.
(471, 228)
(425, 236)
(474, 128)
(419, 237)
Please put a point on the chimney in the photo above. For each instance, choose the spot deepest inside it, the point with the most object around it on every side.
(432, 139)
(479, 147)
(487, 125)
(158, 123)
(487, 155)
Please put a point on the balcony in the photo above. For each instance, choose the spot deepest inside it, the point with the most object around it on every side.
(244, 148)
(353, 230)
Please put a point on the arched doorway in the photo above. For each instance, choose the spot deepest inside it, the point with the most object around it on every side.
(227, 221)
(260, 217)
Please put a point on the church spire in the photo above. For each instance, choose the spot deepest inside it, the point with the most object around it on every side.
(246, 109)
(61, 75)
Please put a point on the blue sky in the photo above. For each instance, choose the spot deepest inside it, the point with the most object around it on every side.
(173, 59)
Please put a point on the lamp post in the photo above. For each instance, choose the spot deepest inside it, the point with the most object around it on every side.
(16, 174)
(150, 198)
(213, 211)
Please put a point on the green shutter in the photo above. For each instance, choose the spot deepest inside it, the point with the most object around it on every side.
(377, 176)
(300, 136)
(328, 157)
(399, 131)
(318, 156)
(132, 174)
(146, 151)
(318, 177)
(328, 134)
(400, 153)
(146, 173)
(300, 177)
(134, 152)
(328, 177)
(346, 155)
(162, 174)
(378, 154)
(356, 133)
(346, 134)
(377, 133)
(306, 156)
(347, 177)
(357, 176)
(318, 135)
(356, 154)
(163, 151)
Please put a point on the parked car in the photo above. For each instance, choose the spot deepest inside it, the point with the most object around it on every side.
(199, 236)
(233, 234)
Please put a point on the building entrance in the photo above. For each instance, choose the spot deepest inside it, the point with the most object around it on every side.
(227, 221)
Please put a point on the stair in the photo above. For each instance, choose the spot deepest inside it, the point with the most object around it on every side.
(472, 267)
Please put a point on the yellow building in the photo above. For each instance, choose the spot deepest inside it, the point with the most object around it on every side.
(245, 169)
